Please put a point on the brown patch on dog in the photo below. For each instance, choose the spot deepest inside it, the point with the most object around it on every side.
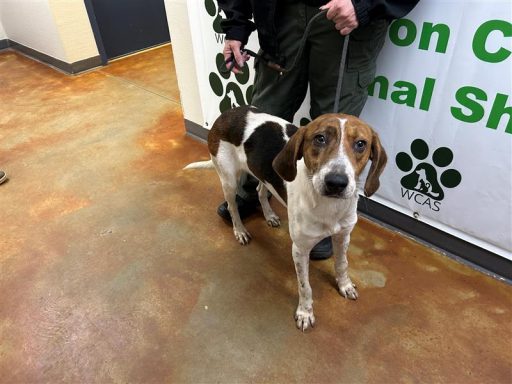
(315, 153)
(285, 163)
(228, 127)
(356, 130)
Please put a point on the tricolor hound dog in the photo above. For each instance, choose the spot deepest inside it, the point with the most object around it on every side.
(312, 170)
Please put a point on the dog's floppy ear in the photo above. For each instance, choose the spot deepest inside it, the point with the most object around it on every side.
(285, 163)
(379, 158)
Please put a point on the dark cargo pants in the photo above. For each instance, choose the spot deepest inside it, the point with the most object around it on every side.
(282, 94)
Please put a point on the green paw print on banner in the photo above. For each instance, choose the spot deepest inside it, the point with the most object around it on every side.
(231, 93)
(304, 121)
(424, 177)
(213, 11)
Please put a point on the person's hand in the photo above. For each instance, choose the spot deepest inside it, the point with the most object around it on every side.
(342, 14)
(233, 47)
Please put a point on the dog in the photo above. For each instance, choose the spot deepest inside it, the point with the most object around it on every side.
(312, 170)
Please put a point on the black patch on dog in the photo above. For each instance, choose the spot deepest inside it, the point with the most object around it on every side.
(291, 129)
(261, 149)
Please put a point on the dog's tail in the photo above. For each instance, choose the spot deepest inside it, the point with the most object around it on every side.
(201, 165)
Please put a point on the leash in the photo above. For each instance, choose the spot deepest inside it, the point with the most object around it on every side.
(341, 72)
(231, 62)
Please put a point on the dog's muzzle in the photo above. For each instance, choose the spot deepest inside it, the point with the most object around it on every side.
(335, 184)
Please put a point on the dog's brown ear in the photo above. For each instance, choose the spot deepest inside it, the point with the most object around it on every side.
(285, 163)
(379, 158)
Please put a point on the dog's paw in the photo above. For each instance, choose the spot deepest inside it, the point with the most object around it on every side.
(304, 319)
(348, 290)
(273, 221)
(242, 236)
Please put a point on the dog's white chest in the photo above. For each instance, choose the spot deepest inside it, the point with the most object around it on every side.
(319, 216)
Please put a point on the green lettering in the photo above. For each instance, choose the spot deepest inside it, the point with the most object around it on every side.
(383, 87)
(500, 108)
(426, 95)
(406, 96)
(480, 39)
(410, 32)
(463, 98)
(443, 35)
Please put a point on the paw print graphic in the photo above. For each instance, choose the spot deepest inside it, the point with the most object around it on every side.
(214, 11)
(304, 121)
(231, 93)
(423, 178)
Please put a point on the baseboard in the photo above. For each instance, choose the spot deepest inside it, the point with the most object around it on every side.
(196, 131)
(453, 246)
(4, 43)
(70, 68)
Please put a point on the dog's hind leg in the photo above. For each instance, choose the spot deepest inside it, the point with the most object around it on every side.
(340, 245)
(229, 174)
(270, 216)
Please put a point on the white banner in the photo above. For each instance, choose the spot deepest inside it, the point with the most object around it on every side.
(440, 102)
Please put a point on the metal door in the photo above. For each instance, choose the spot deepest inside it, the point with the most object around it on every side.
(127, 26)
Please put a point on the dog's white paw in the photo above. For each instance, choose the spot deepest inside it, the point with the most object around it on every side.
(242, 236)
(304, 318)
(273, 221)
(348, 290)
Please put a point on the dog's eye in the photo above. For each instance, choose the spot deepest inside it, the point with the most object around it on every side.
(360, 146)
(320, 140)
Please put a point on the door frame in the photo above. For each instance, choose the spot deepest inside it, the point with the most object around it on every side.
(96, 31)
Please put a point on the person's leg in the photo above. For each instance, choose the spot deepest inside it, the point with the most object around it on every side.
(275, 93)
(281, 94)
(325, 55)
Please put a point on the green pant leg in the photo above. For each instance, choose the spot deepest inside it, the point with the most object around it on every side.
(325, 55)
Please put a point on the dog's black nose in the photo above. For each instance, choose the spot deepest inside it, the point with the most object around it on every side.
(335, 183)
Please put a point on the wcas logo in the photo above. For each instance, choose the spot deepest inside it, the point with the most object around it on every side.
(226, 85)
(427, 176)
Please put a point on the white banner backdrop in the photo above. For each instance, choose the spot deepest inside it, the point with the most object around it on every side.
(440, 102)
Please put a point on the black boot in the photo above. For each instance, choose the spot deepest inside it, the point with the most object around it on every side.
(322, 251)
(246, 208)
(248, 205)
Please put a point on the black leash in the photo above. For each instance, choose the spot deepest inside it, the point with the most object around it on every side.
(231, 62)
(341, 72)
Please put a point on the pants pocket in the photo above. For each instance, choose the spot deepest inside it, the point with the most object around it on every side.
(365, 45)
(365, 77)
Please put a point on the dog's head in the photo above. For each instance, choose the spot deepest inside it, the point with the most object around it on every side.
(335, 148)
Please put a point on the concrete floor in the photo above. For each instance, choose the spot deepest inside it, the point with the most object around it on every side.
(114, 266)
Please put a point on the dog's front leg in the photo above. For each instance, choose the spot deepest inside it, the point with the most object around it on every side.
(340, 245)
(270, 217)
(304, 316)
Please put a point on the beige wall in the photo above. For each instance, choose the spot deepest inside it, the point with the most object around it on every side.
(74, 29)
(31, 23)
(2, 31)
(179, 28)
(57, 28)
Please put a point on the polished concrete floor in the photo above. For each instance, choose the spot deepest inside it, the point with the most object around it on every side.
(114, 266)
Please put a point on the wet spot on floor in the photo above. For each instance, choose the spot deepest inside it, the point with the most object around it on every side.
(369, 278)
